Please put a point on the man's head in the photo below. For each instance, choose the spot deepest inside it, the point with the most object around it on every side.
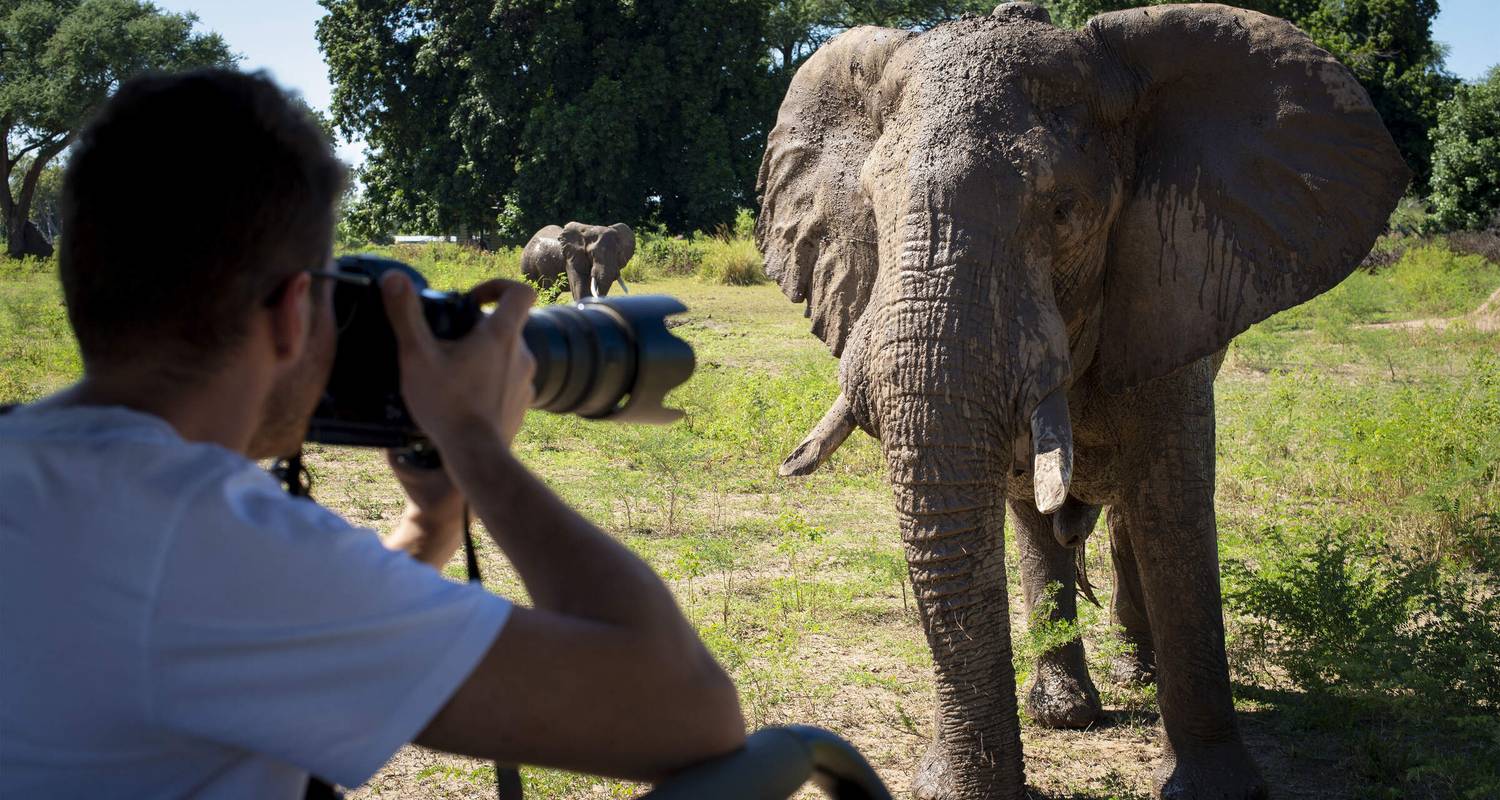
(192, 203)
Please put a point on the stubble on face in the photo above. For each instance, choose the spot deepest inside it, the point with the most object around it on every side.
(289, 407)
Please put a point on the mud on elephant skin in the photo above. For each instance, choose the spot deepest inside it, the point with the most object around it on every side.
(1028, 247)
(591, 256)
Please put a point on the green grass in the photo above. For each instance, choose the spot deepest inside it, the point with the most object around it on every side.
(1359, 513)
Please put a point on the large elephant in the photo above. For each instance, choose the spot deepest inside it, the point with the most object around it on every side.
(1029, 247)
(592, 257)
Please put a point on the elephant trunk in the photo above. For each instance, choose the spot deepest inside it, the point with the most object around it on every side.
(949, 500)
(935, 401)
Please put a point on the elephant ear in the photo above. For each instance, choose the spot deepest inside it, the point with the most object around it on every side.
(816, 226)
(626, 239)
(1261, 177)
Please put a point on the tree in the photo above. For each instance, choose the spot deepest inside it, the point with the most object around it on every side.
(59, 60)
(1466, 156)
(46, 199)
(504, 115)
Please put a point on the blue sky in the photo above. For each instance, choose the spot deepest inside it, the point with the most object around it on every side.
(277, 35)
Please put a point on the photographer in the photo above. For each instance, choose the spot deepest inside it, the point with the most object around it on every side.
(172, 624)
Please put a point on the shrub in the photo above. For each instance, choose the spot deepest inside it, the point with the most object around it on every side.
(734, 263)
(1345, 615)
(664, 256)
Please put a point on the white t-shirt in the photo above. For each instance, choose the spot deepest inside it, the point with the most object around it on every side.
(173, 625)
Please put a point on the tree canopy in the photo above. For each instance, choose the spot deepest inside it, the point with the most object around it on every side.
(1466, 161)
(494, 117)
(505, 115)
(59, 61)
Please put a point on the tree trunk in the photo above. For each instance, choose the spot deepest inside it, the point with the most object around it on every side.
(17, 242)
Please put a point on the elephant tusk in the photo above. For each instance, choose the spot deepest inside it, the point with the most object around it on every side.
(826, 436)
(623, 287)
(1052, 450)
(593, 286)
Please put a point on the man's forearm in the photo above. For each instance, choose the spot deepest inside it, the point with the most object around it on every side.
(430, 538)
(567, 564)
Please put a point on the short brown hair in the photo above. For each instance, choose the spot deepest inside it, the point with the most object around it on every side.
(187, 200)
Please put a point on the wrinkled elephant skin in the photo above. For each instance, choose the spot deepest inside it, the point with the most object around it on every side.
(1029, 247)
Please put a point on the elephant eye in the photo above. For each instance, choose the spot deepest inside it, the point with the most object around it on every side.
(1061, 212)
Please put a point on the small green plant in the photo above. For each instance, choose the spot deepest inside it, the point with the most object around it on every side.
(1045, 634)
(797, 536)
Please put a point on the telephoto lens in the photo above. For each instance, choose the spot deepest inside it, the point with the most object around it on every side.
(603, 358)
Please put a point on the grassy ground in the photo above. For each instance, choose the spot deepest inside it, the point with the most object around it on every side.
(1359, 508)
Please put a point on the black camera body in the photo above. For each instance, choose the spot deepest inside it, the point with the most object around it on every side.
(603, 358)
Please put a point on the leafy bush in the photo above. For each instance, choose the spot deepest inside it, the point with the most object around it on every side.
(1345, 615)
(735, 263)
(664, 256)
(1401, 646)
(1466, 156)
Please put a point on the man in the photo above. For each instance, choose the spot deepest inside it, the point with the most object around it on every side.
(172, 625)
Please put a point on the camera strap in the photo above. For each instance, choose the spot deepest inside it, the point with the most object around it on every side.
(297, 481)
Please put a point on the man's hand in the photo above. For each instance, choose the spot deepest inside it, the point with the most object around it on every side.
(432, 524)
(480, 381)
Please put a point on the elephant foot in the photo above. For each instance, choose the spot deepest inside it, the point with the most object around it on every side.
(934, 777)
(1062, 698)
(1220, 772)
(1133, 669)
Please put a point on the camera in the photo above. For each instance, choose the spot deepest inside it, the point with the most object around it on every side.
(603, 358)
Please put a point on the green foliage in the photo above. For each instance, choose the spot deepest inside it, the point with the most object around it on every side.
(735, 262)
(659, 256)
(1344, 614)
(36, 342)
(505, 117)
(1466, 156)
(1380, 638)
(60, 59)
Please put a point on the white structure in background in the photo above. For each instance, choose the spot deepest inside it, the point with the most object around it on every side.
(408, 239)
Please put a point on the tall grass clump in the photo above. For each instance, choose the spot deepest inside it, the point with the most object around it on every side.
(735, 262)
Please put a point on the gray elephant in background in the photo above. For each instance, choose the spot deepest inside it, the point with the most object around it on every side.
(592, 257)
(1029, 247)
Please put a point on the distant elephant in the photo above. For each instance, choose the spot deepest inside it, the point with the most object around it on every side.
(1029, 247)
(592, 256)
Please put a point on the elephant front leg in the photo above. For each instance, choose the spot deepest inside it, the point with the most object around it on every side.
(1169, 520)
(1128, 608)
(1060, 693)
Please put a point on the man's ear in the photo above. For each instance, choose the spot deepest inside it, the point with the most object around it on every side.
(290, 318)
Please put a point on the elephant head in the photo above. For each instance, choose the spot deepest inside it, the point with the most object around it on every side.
(984, 214)
(597, 253)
